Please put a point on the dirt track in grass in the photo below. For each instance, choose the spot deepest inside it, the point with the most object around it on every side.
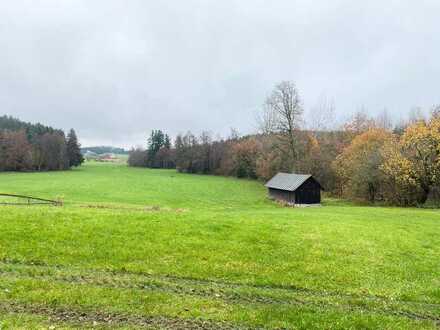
(97, 318)
(239, 293)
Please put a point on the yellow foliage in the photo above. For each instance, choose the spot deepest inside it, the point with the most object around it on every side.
(413, 162)
(358, 165)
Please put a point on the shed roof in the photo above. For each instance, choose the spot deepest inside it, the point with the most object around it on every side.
(286, 181)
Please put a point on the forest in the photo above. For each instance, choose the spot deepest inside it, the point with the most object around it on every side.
(365, 158)
(35, 147)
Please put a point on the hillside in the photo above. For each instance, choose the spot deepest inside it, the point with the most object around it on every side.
(32, 130)
(136, 247)
(104, 150)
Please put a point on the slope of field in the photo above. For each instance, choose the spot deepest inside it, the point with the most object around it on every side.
(136, 248)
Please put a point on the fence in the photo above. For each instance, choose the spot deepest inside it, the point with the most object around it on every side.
(27, 200)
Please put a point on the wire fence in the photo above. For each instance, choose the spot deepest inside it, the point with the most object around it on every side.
(12, 199)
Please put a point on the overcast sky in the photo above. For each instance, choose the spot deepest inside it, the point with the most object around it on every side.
(114, 70)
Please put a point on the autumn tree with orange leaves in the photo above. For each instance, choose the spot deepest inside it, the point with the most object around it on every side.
(358, 167)
(414, 162)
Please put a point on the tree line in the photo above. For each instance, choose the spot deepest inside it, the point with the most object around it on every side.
(99, 150)
(158, 154)
(401, 167)
(364, 158)
(35, 147)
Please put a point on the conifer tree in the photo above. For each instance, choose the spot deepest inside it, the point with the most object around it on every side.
(73, 150)
(167, 142)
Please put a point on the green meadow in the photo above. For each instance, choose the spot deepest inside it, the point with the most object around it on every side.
(140, 248)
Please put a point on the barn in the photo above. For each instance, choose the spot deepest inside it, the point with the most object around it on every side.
(295, 189)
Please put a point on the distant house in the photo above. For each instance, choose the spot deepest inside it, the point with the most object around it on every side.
(295, 189)
(90, 155)
(107, 157)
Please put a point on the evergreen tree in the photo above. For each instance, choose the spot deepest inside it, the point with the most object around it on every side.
(74, 150)
(155, 142)
(167, 142)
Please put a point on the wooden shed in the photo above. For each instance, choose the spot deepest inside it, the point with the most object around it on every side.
(295, 189)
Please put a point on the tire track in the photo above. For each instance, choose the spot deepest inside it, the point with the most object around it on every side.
(94, 318)
(192, 280)
(226, 291)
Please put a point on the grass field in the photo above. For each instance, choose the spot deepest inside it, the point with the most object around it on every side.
(136, 248)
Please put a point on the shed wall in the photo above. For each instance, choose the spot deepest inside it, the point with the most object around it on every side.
(308, 193)
(283, 195)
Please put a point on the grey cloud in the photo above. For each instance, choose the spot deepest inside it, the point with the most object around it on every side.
(116, 69)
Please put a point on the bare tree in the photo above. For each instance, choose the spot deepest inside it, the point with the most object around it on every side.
(384, 120)
(416, 115)
(266, 120)
(322, 115)
(435, 111)
(282, 114)
(359, 122)
(234, 134)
